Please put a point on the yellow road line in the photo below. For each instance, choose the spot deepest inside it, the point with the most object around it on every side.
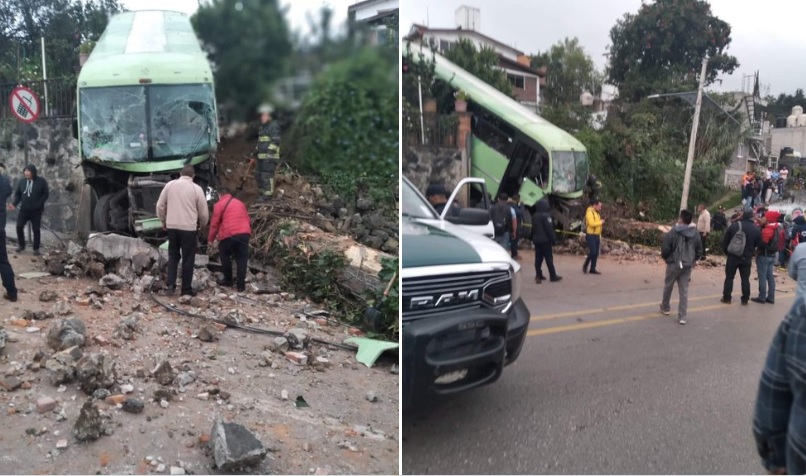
(623, 320)
(603, 310)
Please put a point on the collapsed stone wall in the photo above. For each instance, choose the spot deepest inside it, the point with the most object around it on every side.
(369, 221)
(424, 165)
(53, 150)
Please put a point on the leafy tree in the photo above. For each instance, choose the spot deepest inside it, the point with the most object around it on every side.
(570, 71)
(348, 123)
(64, 24)
(248, 43)
(482, 63)
(782, 105)
(660, 48)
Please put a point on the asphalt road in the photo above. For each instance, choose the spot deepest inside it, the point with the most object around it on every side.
(606, 384)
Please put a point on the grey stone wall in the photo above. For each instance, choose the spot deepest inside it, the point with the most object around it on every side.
(54, 152)
(424, 165)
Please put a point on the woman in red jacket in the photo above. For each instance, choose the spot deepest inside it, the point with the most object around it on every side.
(231, 227)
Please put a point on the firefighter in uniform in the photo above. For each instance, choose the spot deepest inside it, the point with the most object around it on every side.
(267, 151)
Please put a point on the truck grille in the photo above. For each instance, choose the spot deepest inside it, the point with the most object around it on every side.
(428, 295)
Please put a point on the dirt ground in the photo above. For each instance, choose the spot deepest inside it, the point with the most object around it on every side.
(341, 432)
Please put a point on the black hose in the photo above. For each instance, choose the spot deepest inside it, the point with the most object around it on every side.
(231, 325)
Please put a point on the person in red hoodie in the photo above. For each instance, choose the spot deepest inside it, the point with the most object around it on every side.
(230, 225)
(771, 241)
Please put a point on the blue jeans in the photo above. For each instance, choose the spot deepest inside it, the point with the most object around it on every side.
(766, 266)
(593, 251)
(504, 240)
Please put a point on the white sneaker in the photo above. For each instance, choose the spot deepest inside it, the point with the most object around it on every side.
(681, 321)
(665, 313)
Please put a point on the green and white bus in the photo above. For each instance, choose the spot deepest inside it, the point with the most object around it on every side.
(146, 107)
(517, 151)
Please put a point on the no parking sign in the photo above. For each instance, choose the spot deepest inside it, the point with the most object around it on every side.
(24, 104)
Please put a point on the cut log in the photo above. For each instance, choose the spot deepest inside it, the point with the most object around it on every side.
(363, 263)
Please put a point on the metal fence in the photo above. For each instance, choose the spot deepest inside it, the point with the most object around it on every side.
(57, 97)
(434, 130)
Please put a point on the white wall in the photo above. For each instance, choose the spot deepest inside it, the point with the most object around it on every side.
(373, 9)
(794, 137)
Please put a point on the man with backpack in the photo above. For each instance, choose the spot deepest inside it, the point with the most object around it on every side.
(505, 222)
(681, 249)
(739, 244)
(773, 239)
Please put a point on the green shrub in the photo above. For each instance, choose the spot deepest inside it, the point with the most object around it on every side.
(348, 123)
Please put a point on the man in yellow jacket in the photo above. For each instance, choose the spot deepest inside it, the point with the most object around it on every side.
(593, 234)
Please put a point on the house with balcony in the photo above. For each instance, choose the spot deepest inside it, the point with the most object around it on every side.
(526, 81)
(375, 14)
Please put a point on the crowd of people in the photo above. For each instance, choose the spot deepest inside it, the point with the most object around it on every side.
(758, 188)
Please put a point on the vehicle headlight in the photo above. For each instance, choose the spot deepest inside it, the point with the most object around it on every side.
(517, 277)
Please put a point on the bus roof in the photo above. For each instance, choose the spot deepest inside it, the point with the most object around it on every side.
(542, 131)
(156, 45)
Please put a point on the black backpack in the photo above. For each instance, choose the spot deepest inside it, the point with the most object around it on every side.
(501, 216)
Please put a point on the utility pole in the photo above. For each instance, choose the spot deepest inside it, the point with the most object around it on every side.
(693, 139)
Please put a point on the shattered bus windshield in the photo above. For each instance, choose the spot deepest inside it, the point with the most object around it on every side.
(113, 124)
(181, 119)
(119, 125)
(570, 171)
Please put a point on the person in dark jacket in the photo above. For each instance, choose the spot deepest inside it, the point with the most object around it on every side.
(544, 237)
(30, 197)
(680, 261)
(719, 222)
(437, 196)
(515, 203)
(799, 229)
(740, 263)
(231, 226)
(6, 272)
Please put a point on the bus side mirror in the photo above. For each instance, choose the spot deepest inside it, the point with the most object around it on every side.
(74, 127)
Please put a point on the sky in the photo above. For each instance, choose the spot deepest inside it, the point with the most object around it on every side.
(298, 10)
(767, 36)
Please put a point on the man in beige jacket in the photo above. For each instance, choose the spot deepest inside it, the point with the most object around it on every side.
(182, 209)
(703, 225)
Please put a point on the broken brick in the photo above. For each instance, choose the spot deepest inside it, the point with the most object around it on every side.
(45, 404)
(115, 399)
(297, 357)
(101, 340)
(19, 322)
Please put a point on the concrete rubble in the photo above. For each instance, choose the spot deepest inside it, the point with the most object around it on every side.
(105, 359)
(163, 373)
(129, 326)
(94, 371)
(67, 333)
(62, 365)
(89, 426)
(235, 447)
